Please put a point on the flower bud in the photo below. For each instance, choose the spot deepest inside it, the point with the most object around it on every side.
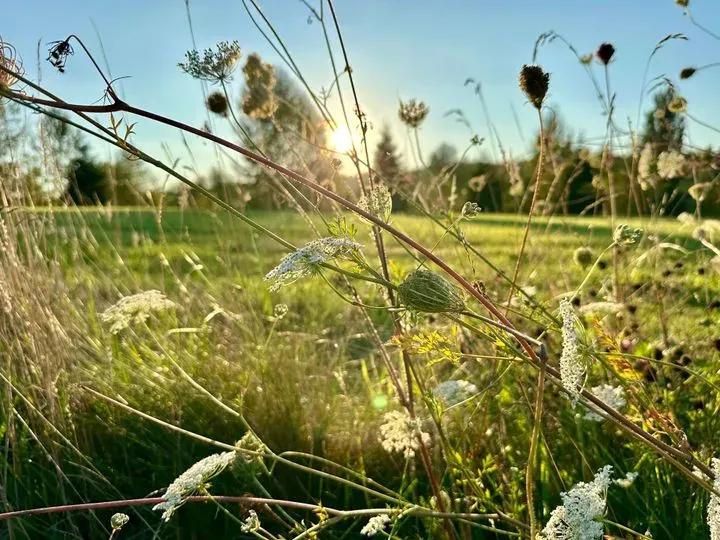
(429, 292)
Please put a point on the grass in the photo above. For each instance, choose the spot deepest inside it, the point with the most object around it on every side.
(314, 382)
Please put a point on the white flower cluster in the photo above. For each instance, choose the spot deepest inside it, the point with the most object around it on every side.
(713, 509)
(574, 519)
(646, 177)
(251, 523)
(614, 396)
(377, 202)
(572, 371)
(628, 480)
(135, 309)
(671, 164)
(400, 433)
(304, 261)
(193, 480)
(454, 392)
(375, 525)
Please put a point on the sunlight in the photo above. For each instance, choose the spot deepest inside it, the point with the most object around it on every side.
(341, 140)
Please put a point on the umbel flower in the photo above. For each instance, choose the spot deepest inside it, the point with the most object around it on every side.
(217, 103)
(428, 292)
(605, 53)
(307, 260)
(671, 164)
(412, 112)
(9, 60)
(375, 525)
(215, 65)
(583, 256)
(572, 370)
(575, 518)
(192, 481)
(135, 309)
(614, 396)
(713, 509)
(377, 202)
(535, 83)
(400, 433)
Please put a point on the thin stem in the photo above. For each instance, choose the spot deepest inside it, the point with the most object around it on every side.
(539, 168)
(534, 438)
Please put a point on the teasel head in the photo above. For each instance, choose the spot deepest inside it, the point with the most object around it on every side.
(605, 53)
(534, 81)
(428, 292)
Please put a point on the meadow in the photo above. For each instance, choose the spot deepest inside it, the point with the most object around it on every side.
(310, 379)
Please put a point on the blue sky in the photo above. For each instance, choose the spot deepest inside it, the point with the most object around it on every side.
(398, 49)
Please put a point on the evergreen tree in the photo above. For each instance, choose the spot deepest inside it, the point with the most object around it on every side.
(386, 162)
(664, 129)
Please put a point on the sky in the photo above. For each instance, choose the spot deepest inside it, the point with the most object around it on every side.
(398, 49)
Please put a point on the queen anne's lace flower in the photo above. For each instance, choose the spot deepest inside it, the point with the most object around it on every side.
(307, 259)
(215, 65)
(575, 518)
(193, 480)
(375, 525)
(572, 371)
(713, 509)
(670, 164)
(614, 396)
(135, 309)
(378, 202)
(454, 392)
(400, 433)
(251, 523)
(412, 112)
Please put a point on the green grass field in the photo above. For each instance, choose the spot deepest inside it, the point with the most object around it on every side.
(313, 381)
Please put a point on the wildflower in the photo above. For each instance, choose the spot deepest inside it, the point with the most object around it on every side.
(215, 65)
(413, 112)
(470, 210)
(572, 372)
(583, 256)
(687, 72)
(251, 523)
(700, 191)
(118, 521)
(585, 59)
(135, 309)
(375, 525)
(627, 481)
(534, 82)
(605, 53)
(670, 164)
(279, 311)
(625, 235)
(575, 518)
(400, 433)
(9, 60)
(194, 480)
(614, 396)
(454, 392)
(426, 291)
(377, 202)
(307, 259)
(217, 103)
(713, 509)
(259, 97)
(678, 105)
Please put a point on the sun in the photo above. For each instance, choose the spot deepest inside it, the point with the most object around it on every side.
(341, 140)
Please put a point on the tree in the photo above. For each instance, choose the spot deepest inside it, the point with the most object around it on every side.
(445, 154)
(87, 180)
(664, 129)
(386, 162)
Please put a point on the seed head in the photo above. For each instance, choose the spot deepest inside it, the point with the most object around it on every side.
(534, 82)
(687, 72)
(216, 65)
(59, 52)
(413, 112)
(605, 52)
(9, 60)
(118, 521)
(583, 256)
(682, 3)
(217, 103)
(429, 292)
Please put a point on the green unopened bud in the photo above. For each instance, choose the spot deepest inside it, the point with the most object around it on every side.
(625, 235)
(471, 210)
(583, 256)
(429, 292)
(118, 521)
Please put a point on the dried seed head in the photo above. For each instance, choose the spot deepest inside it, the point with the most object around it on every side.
(413, 112)
(59, 53)
(215, 65)
(9, 60)
(678, 105)
(682, 3)
(687, 72)
(217, 103)
(605, 53)
(429, 292)
(534, 82)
